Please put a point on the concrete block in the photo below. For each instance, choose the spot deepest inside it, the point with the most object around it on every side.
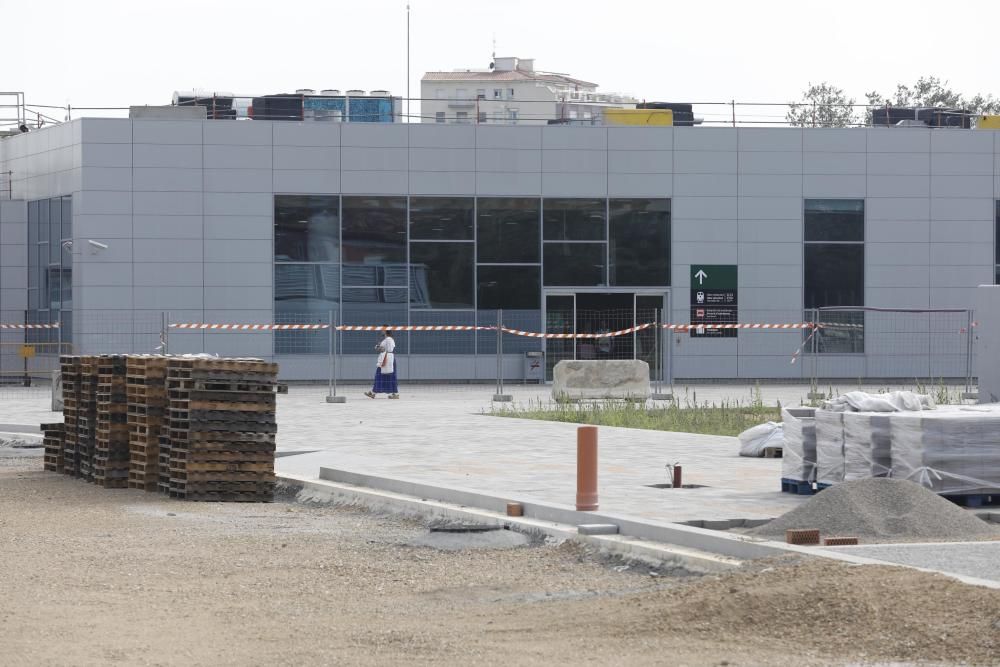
(623, 379)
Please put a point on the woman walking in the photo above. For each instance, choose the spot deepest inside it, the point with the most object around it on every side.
(385, 369)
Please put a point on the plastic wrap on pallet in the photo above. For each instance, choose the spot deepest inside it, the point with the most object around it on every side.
(867, 445)
(829, 447)
(893, 401)
(798, 456)
(950, 451)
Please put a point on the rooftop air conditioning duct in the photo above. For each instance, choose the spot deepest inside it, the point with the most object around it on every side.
(355, 93)
(331, 92)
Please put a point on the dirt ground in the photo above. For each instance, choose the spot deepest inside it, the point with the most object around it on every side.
(96, 577)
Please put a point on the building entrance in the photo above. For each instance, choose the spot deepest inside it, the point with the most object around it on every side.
(600, 312)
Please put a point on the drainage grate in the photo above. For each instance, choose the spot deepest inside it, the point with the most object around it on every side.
(670, 486)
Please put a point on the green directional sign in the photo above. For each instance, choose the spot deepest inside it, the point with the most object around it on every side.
(713, 276)
(714, 300)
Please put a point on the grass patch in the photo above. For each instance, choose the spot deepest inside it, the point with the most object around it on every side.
(687, 416)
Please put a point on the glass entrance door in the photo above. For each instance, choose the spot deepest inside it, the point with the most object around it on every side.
(599, 312)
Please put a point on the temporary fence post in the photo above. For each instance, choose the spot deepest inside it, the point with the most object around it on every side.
(970, 323)
(658, 394)
(814, 392)
(499, 396)
(332, 394)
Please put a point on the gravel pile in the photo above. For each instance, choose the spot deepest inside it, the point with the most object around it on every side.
(881, 510)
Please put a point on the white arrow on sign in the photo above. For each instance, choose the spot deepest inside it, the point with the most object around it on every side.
(701, 275)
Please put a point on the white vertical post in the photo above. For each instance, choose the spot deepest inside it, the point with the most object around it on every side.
(500, 396)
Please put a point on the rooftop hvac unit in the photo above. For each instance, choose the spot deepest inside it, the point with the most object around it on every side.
(331, 92)
(922, 116)
(355, 93)
(305, 91)
(217, 105)
(683, 113)
(378, 93)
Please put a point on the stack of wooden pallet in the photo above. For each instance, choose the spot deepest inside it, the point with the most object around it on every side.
(111, 449)
(222, 429)
(86, 417)
(146, 390)
(53, 443)
(70, 367)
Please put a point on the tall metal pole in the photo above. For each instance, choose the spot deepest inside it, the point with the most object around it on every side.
(970, 317)
(407, 62)
(332, 361)
(499, 396)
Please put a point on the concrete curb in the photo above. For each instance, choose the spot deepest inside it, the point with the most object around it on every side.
(698, 550)
(672, 556)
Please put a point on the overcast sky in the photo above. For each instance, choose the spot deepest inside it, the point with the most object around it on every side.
(117, 53)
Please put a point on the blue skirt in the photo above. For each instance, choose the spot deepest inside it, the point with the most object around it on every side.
(385, 383)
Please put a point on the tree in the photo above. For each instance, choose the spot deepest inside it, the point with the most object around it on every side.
(822, 105)
(930, 91)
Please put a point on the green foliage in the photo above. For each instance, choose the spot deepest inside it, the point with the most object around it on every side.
(930, 91)
(822, 105)
(688, 416)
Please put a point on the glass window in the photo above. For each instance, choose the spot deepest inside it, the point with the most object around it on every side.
(53, 280)
(67, 217)
(996, 241)
(461, 116)
(448, 218)
(439, 116)
(55, 230)
(378, 307)
(306, 228)
(508, 229)
(835, 220)
(374, 238)
(33, 244)
(67, 287)
(574, 219)
(834, 274)
(481, 117)
(443, 342)
(441, 275)
(306, 289)
(304, 294)
(576, 264)
(640, 242)
(509, 287)
(43, 220)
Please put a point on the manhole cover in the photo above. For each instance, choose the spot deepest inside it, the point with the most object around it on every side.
(463, 528)
(670, 486)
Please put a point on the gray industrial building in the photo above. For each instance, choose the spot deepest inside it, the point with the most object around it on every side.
(111, 226)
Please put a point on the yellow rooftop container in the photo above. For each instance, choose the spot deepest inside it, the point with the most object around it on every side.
(988, 123)
(657, 117)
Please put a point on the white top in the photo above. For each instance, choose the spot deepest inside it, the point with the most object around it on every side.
(387, 345)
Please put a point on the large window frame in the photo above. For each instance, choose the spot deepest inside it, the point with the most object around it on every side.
(832, 226)
(50, 271)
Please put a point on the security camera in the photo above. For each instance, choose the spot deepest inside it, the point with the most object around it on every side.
(68, 245)
(97, 244)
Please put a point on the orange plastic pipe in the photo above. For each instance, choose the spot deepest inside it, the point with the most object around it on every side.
(586, 468)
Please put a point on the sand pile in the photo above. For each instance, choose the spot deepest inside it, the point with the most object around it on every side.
(881, 510)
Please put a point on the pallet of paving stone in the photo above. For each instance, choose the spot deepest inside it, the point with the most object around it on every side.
(52, 440)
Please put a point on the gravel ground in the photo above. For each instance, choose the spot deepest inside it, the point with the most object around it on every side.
(980, 559)
(98, 577)
(882, 510)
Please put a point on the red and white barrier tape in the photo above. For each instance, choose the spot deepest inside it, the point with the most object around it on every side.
(609, 334)
(250, 327)
(413, 327)
(29, 326)
(685, 327)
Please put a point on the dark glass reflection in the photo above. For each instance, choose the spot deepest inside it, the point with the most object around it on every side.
(834, 275)
(55, 230)
(448, 218)
(508, 229)
(374, 238)
(382, 306)
(575, 264)
(574, 220)
(509, 288)
(834, 220)
(640, 242)
(441, 275)
(306, 228)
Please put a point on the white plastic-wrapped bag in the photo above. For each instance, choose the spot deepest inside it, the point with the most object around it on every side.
(754, 440)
